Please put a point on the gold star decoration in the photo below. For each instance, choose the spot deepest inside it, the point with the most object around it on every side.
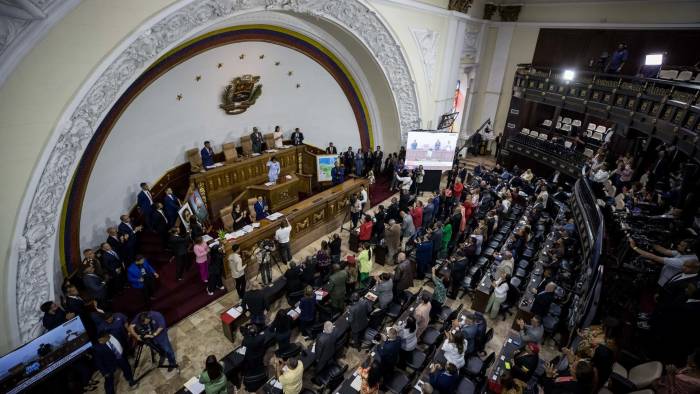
(179, 96)
(277, 63)
(289, 73)
(198, 78)
(219, 65)
(262, 56)
(242, 56)
(298, 85)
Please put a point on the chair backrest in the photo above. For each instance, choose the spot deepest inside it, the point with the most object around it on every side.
(230, 153)
(567, 144)
(525, 131)
(697, 78)
(195, 160)
(269, 139)
(588, 152)
(566, 127)
(559, 119)
(600, 129)
(558, 126)
(488, 336)
(566, 121)
(547, 122)
(533, 133)
(247, 145)
(591, 126)
(684, 76)
(597, 136)
(576, 122)
(668, 74)
(542, 137)
(251, 205)
(226, 218)
(488, 362)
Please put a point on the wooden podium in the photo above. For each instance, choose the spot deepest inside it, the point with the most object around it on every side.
(280, 195)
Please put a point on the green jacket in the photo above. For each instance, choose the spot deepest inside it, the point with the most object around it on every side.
(446, 235)
(218, 386)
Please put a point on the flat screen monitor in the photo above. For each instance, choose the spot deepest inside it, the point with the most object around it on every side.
(324, 165)
(432, 150)
(34, 361)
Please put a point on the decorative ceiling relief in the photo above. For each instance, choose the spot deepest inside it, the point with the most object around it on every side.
(35, 240)
(21, 24)
(427, 41)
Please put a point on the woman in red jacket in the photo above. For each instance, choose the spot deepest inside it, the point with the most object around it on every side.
(365, 229)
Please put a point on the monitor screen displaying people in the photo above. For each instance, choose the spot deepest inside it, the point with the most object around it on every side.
(434, 151)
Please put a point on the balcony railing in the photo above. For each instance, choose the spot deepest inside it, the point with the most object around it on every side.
(668, 110)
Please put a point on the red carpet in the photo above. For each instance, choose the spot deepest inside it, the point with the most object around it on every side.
(380, 190)
(175, 300)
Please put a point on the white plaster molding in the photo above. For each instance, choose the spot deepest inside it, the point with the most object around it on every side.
(427, 41)
(23, 24)
(34, 242)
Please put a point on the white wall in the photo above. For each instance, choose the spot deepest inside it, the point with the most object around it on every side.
(156, 129)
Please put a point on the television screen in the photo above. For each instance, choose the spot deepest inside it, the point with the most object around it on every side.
(27, 365)
(434, 151)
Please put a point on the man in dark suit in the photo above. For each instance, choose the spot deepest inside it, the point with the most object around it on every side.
(260, 209)
(79, 307)
(377, 157)
(54, 315)
(388, 352)
(331, 149)
(178, 245)
(297, 137)
(127, 233)
(171, 205)
(540, 306)
(109, 355)
(114, 267)
(207, 154)
(95, 285)
(144, 201)
(358, 316)
(348, 159)
(254, 342)
(256, 138)
(457, 274)
(324, 348)
(115, 241)
(337, 174)
(159, 222)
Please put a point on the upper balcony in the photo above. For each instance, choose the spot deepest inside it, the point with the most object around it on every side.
(666, 109)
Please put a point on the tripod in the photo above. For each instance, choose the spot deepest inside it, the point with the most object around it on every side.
(345, 219)
(154, 349)
(268, 257)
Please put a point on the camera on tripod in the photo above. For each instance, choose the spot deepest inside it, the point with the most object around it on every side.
(266, 244)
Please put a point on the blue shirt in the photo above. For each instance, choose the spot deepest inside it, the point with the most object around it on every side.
(338, 175)
(134, 273)
(618, 57)
(274, 170)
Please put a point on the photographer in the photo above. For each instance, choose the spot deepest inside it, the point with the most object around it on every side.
(282, 237)
(266, 248)
(149, 328)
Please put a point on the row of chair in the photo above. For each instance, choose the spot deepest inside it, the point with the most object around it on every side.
(675, 75)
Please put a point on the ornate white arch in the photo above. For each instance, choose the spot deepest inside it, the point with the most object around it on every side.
(30, 276)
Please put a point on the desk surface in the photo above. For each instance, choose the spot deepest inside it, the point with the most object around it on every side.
(282, 181)
(301, 207)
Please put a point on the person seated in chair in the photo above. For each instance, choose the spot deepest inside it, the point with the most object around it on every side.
(525, 362)
(260, 209)
(444, 380)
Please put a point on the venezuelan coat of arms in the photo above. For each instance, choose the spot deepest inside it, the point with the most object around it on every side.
(240, 94)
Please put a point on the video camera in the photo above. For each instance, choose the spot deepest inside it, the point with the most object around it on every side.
(266, 244)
